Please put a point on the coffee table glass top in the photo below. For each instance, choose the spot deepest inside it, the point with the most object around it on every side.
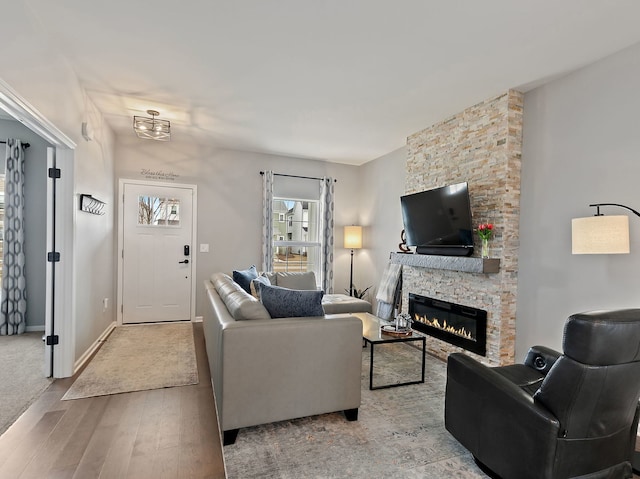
(371, 329)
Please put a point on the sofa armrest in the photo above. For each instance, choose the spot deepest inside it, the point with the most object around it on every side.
(494, 419)
(541, 358)
(291, 367)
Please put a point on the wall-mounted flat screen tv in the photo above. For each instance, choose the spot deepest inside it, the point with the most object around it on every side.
(438, 221)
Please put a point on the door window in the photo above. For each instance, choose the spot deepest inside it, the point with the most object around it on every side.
(155, 211)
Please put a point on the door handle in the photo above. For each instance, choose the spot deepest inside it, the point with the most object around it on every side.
(186, 261)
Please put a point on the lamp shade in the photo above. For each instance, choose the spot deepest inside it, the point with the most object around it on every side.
(353, 237)
(600, 235)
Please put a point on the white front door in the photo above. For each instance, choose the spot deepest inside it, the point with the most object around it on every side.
(157, 253)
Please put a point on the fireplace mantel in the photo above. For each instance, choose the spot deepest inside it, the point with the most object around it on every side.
(451, 263)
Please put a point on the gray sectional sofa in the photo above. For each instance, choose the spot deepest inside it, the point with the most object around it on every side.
(265, 370)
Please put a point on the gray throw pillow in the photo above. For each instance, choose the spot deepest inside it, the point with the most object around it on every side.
(244, 277)
(291, 303)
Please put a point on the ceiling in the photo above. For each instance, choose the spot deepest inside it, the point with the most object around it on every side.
(337, 80)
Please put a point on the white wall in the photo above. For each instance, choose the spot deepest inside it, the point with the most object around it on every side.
(45, 80)
(383, 181)
(581, 145)
(230, 198)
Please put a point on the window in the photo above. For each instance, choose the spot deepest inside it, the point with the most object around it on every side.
(301, 250)
(158, 211)
(281, 217)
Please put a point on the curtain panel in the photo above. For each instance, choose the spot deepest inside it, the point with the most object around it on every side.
(267, 221)
(326, 203)
(13, 307)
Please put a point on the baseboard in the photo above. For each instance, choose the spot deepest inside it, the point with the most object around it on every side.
(35, 329)
(93, 348)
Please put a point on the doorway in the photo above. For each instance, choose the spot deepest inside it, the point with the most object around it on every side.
(30, 199)
(28, 358)
(60, 353)
(157, 263)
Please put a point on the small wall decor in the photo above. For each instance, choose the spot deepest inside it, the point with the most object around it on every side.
(92, 205)
(158, 174)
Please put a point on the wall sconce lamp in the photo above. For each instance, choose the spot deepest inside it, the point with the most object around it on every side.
(352, 240)
(601, 234)
(152, 128)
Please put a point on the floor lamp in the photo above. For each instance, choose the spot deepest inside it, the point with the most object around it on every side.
(352, 240)
(600, 234)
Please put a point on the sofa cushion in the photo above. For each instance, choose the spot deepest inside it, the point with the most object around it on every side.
(255, 289)
(244, 277)
(296, 280)
(240, 304)
(291, 303)
(341, 303)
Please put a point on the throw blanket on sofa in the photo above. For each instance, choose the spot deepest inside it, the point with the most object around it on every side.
(387, 290)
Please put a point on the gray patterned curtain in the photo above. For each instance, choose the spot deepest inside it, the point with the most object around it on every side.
(326, 203)
(13, 308)
(267, 221)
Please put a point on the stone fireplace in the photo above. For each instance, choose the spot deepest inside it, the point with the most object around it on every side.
(481, 145)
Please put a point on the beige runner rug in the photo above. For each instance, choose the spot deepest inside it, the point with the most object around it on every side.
(137, 358)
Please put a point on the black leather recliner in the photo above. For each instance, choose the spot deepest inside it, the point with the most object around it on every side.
(555, 416)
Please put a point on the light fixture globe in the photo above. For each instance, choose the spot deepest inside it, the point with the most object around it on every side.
(152, 128)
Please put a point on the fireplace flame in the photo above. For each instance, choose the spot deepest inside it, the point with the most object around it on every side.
(435, 323)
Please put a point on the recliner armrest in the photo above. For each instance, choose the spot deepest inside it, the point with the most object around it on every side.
(480, 402)
(476, 376)
(541, 358)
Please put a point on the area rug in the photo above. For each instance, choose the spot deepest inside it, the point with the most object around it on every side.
(22, 375)
(399, 433)
(137, 358)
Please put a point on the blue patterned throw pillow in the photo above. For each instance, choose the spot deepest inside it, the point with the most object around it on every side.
(291, 303)
(244, 277)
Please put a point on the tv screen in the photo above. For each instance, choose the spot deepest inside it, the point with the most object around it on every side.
(439, 218)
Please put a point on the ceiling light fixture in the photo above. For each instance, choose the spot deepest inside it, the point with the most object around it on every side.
(152, 128)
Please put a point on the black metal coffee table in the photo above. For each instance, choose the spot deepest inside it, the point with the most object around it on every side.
(372, 334)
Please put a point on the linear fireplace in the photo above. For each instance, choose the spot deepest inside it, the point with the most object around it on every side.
(454, 323)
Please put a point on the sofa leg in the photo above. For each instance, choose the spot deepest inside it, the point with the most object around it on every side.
(229, 437)
(351, 414)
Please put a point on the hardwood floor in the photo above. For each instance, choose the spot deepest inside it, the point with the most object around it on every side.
(162, 433)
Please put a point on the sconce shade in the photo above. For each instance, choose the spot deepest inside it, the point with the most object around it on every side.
(600, 235)
(353, 237)
(152, 128)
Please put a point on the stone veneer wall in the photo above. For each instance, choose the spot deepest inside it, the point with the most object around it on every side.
(481, 145)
